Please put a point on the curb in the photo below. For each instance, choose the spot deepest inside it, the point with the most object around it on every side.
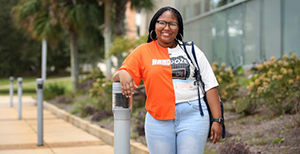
(104, 134)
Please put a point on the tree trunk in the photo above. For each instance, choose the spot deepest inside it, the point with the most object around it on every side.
(120, 10)
(120, 16)
(107, 37)
(74, 60)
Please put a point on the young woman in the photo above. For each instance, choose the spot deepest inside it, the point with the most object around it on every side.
(173, 124)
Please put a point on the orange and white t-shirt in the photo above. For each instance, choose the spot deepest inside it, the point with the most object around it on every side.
(168, 76)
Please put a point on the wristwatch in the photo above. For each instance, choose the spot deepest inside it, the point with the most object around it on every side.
(219, 120)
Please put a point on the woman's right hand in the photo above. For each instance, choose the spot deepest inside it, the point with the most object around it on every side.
(126, 82)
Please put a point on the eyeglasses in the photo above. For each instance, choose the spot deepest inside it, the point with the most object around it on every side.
(162, 24)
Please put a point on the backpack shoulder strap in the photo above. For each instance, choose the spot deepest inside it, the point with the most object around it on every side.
(197, 72)
(188, 54)
(198, 77)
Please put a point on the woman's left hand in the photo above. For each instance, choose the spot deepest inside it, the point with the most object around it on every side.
(216, 132)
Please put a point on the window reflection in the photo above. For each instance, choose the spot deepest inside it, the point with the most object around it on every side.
(218, 3)
(192, 8)
(237, 35)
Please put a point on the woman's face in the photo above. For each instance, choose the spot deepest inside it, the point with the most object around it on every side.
(167, 34)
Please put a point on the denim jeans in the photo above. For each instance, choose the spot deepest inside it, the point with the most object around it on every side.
(186, 134)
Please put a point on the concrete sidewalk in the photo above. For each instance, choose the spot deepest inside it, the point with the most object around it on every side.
(60, 137)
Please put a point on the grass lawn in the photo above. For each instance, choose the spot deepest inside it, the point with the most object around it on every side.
(29, 85)
(6, 81)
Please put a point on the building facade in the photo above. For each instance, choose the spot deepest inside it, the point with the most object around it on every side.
(242, 32)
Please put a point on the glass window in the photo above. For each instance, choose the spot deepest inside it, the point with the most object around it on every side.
(235, 35)
(186, 10)
(206, 5)
(190, 29)
(217, 3)
(251, 30)
(205, 37)
(199, 31)
(291, 30)
(271, 35)
(196, 7)
(247, 33)
(219, 33)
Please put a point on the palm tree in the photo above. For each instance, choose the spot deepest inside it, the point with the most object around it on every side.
(39, 17)
(38, 22)
(75, 15)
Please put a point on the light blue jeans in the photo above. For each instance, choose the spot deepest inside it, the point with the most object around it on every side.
(186, 134)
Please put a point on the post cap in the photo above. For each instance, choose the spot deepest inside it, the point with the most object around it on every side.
(11, 78)
(116, 87)
(39, 83)
(20, 79)
(119, 100)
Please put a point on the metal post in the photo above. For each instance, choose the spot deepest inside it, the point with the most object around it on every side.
(11, 90)
(121, 107)
(44, 59)
(20, 97)
(40, 123)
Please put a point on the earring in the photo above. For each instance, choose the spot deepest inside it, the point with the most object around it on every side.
(151, 36)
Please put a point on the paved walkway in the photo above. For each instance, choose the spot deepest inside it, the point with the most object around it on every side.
(60, 137)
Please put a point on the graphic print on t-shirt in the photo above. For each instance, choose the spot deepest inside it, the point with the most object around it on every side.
(180, 72)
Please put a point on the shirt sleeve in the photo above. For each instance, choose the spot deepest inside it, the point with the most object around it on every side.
(208, 76)
(132, 64)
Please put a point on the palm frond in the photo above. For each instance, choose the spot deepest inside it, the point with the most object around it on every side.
(44, 28)
(29, 8)
(83, 14)
(36, 19)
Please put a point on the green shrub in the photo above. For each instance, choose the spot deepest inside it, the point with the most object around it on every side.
(93, 75)
(228, 84)
(98, 103)
(80, 106)
(54, 89)
(276, 82)
(102, 92)
(246, 105)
